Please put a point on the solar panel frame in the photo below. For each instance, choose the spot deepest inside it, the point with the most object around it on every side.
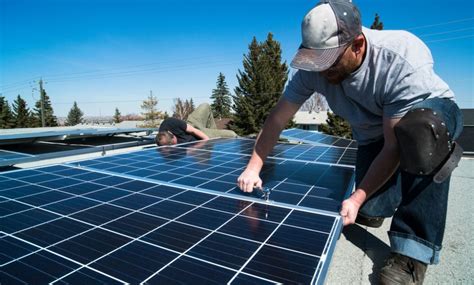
(76, 173)
(26, 158)
(61, 134)
(312, 137)
(7, 155)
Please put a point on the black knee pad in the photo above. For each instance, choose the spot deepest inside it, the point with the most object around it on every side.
(425, 145)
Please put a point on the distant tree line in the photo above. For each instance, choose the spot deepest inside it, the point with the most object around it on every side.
(20, 116)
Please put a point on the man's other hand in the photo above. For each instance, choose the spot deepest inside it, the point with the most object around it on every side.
(349, 211)
(248, 180)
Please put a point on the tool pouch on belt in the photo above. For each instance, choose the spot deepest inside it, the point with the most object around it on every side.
(425, 145)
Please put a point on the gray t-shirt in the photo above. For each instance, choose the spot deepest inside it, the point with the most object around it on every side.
(397, 73)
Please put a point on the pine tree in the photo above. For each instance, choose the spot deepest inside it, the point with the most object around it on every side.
(151, 113)
(21, 113)
(117, 116)
(6, 116)
(50, 119)
(377, 25)
(75, 116)
(261, 84)
(337, 126)
(222, 99)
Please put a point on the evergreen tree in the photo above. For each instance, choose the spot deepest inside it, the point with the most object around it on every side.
(222, 99)
(151, 113)
(49, 117)
(260, 86)
(75, 116)
(117, 116)
(337, 126)
(6, 116)
(377, 25)
(21, 113)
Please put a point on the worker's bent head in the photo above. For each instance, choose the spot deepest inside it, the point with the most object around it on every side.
(165, 138)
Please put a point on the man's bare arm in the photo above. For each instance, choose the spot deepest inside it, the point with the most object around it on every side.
(274, 124)
(196, 132)
(381, 169)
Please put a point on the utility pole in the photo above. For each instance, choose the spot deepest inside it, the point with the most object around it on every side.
(43, 122)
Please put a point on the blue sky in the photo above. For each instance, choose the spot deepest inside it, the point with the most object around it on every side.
(111, 53)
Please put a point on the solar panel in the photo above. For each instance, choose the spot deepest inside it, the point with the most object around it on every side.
(61, 133)
(301, 183)
(316, 137)
(6, 155)
(47, 150)
(299, 152)
(65, 224)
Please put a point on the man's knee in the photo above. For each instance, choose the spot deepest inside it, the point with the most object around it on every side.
(425, 145)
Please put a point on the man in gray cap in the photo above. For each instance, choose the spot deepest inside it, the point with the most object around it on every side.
(403, 117)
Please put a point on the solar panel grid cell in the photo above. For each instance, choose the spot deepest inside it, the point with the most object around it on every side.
(133, 239)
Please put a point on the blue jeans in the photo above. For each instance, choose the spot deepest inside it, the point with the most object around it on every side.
(417, 204)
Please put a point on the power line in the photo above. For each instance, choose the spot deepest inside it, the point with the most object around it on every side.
(23, 82)
(450, 39)
(158, 98)
(121, 74)
(446, 32)
(108, 70)
(85, 75)
(441, 24)
(16, 88)
(142, 71)
(124, 101)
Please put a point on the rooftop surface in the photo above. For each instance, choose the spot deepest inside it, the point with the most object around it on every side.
(361, 251)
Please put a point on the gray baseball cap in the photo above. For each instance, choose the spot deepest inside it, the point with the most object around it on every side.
(326, 29)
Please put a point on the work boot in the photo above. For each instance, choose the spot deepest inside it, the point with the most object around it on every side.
(372, 222)
(400, 269)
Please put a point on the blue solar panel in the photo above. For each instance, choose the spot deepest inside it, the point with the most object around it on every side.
(316, 137)
(299, 152)
(6, 156)
(69, 225)
(306, 184)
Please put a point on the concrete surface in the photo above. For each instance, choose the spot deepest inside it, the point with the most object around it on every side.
(360, 252)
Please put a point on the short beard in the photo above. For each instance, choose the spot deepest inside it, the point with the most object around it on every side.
(336, 77)
(337, 74)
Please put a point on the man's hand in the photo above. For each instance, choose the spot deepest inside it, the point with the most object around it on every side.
(350, 208)
(248, 180)
(266, 139)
